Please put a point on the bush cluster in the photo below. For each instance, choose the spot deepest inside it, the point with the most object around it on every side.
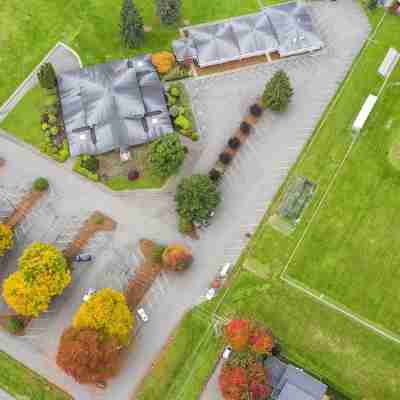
(47, 76)
(87, 166)
(166, 155)
(6, 239)
(225, 158)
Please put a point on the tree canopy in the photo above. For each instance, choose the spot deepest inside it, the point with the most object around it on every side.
(278, 92)
(6, 239)
(88, 355)
(169, 11)
(196, 198)
(166, 155)
(107, 312)
(131, 25)
(42, 274)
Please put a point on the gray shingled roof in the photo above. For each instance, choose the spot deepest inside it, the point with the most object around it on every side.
(106, 106)
(286, 28)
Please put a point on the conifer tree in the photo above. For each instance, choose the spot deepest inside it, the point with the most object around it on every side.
(278, 92)
(169, 11)
(131, 25)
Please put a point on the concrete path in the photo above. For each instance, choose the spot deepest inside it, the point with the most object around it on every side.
(255, 176)
(62, 58)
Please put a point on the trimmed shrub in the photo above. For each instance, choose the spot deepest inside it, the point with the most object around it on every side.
(225, 158)
(6, 239)
(196, 198)
(256, 110)
(277, 92)
(234, 143)
(372, 4)
(185, 226)
(14, 325)
(80, 169)
(166, 155)
(47, 76)
(195, 136)
(245, 128)
(131, 25)
(177, 257)
(107, 312)
(163, 61)
(89, 162)
(157, 253)
(133, 175)
(183, 123)
(169, 11)
(174, 91)
(214, 175)
(40, 184)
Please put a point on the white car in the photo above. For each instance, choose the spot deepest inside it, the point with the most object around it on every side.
(227, 352)
(142, 314)
(211, 294)
(89, 293)
(225, 269)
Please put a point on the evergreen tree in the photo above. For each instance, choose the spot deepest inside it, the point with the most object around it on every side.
(131, 25)
(278, 92)
(169, 11)
(47, 76)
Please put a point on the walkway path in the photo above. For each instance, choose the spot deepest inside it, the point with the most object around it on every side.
(62, 58)
(255, 176)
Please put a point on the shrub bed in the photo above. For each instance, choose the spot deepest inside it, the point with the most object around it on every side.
(87, 166)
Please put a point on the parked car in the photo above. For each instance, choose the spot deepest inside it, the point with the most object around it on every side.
(142, 314)
(211, 294)
(227, 352)
(83, 258)
(225, 269)
(89, 293)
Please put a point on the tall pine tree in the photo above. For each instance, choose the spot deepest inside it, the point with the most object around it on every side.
(131, 25)
(169, 11)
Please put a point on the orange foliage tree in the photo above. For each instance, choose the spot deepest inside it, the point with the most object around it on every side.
(233, 382)
(88, 356)
(177, 257)
(164, 61)
(237, 334)
(261, 340)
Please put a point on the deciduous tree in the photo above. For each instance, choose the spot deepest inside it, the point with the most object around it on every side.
(88, 355)
(107, 312)
(237, 334)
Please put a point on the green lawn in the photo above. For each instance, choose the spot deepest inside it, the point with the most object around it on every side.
(183, 368)
(29, 29)
(350, 252)
(147, 181)
(24, 120)
(22, 383)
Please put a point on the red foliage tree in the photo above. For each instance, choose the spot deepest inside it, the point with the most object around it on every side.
(233, 382)
(237, 334)
(88, 356)
(261, 340)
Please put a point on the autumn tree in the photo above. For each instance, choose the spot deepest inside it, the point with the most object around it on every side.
(6, 239)
(261, 340)
(88, 355)
(164, 61)
(42, 274)
(233, 382)
(237, 334)
(107, 312)
(177, 257)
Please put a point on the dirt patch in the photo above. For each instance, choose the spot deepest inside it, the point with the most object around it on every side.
(23, 208)
(98, 222)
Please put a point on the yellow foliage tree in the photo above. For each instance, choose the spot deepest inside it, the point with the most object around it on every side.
(177, 257)
(6, 239)
(43, 273)
(108, 312)
(164, 61)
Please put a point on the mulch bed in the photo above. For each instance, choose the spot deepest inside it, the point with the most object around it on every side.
(98, 222)
(23, 208)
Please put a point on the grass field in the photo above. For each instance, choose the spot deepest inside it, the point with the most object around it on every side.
(29, 29)
(350, 250)
(23, 383)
